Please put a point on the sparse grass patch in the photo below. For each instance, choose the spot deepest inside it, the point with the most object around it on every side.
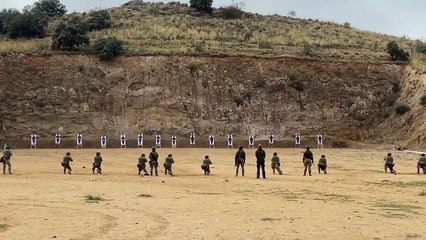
(396, 210)
(422, 193)
(93, 199)
(3, 226)
(145, 195)
(270, 219)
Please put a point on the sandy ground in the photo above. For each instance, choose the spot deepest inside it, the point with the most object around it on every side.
(356, 200)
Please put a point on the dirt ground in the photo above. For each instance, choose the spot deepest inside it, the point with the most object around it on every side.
(356, 200)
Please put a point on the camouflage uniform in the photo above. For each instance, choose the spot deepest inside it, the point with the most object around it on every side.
(421, 164)
(7, 154)
(389, 164)
(142, 165)
(66, 163)
(275, 164)
(322, 165)
(206, 165)
(153, 161)
(97, 163)
(168, 165)
(240, 159)
(308, 160)
(260, 161)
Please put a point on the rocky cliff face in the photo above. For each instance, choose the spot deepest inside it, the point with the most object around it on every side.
(48, 94)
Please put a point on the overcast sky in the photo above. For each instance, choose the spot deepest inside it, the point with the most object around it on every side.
(396, 17)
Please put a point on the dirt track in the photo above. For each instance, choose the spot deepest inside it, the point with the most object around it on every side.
(356, 200)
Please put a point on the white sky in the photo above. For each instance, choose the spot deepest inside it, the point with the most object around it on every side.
(396, 17)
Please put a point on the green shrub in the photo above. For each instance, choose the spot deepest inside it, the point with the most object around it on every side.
(50, 7)
(396, 52)
(423, 100)
(231, 12)
(401, 108)
(29, 24)
(70, 36)
(202, 5)
(109, 48)
(99, 19)
(265, 44)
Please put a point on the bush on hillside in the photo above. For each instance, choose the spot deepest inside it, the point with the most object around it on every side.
(423, 100)
(28, 24)
(99, 19)
(71, 35)
(401, 108)
(396, 52)
(420, 47)
(6, 16)
(109, 48)
(202, 5)
(233, 11)
(50, 7)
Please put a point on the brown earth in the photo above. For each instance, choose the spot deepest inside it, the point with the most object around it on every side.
(66, 94)
(356, 200)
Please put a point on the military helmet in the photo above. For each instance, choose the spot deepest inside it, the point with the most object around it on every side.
(207, 156)
(423, 155)
(68, 153)
(170, 155)
(143, 155)
(389, 154)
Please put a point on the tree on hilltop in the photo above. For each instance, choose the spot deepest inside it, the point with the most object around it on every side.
(396, 52)
(202, 5)
(71, 35)
(50, 7)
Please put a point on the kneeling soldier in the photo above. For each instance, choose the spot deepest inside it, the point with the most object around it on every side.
(66, 163)
(389, 163)
(206, 165)
(168, 165)
(421, 164)
(275, 164)
(97, 163)
(322, 165)
(142, 165)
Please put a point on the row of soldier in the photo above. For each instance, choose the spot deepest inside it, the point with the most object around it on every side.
(158, 140)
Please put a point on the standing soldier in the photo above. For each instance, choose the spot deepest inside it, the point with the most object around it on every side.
(103, 142)
(140, 140)
(206, 165)
(308, 160)
(66, 163)
(230, 141)
(322, 165)
(240, 160)
(421, 164)
(297, 140)
(389, 163)
(276, 164)
(123, 140)
(158, 141)
(211, 141)
(271, 140)
(251, 141)
(153, 161)
(57, 140)
(7, 154)
(33, 141)
(320, 141)
(174, 141)
(168, 165)
(192, 139)
(260, 160)
(79, 141)
(142, 165)
(97, 163)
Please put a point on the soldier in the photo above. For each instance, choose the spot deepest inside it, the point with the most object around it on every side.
(251, 141)
(308, 160)
(230, 141)
(142, 165)
(103, 142)
(79, 141)
(66, 163)
(168, 163)
(240, 159)
(158, 140)
(174, 141)
(7, 154)
(140, 140)
(297, 140)
(271, 140)
(275, 164)
(211, 141)
(322, 165)
(33, 141)
(57, 140)
(260, 161)
(389, 163)
(206, 165)
(123, 141)
(153, 161)
(97, 163)
(421, 164)
(320, 141)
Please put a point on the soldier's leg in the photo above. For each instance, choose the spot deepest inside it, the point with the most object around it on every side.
(100, 169)
(418, 169)
(4, 168)
(150, 169)
(156, 170)
(145, 172)
(238, 167)
(242, 170)
(258, 169)
(93, 169)
(9, 167)
(325, 169)
(306, 168)
(386, 169)
(263, 169)
(309, 169)
(279, 170)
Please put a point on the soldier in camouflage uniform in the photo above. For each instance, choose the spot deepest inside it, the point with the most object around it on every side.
(275, 164)
(142, 165)
(66, 163)
(389, 163)
(206, 165)
(168, 163)
(421, 164)
(7, 154)
(153, 161)
(260, 161)
(322, 164)
(97, 163)
(308, 160)
(240, 159)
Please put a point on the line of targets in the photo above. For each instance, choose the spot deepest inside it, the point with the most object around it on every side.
(158, 140)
